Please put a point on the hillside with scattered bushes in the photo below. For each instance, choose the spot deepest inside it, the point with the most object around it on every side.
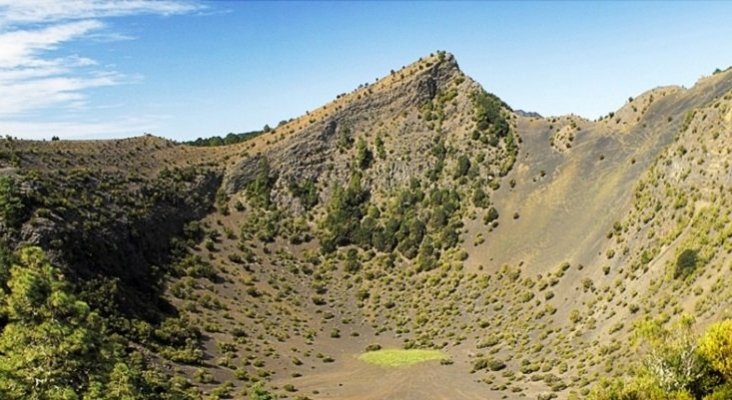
(535, 257)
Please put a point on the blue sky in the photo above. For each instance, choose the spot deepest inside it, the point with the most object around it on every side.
(186, 69)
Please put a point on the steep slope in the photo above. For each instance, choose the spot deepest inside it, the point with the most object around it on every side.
(392, 171)
(106, 210)
(556, 206)
(417, 211)
(580, 191)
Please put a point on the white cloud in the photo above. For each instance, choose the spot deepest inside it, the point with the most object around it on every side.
(31, 94)
(50, 11)
(113, 129)
(23, 48)
(34, 77)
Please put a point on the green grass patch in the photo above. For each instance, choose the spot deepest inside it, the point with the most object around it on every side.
(400, 357)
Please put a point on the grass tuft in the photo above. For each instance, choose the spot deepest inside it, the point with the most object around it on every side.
(400, 357)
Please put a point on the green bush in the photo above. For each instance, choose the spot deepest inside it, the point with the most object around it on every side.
(196, 267)
(480, 198)
(488, 114)
(258, 392)
(344, 138)
(344, 213)
(490, 363)
(463, 166)
(306, 191)
(13, 207)
(373, 347)
(686, 263)
(49, 336)
(723, 392)
(633, 389)
(352, 263)
(364, 156)
(231, 138)
(716, 345)
(258, 190)
(379, 143)
(676, 365)
(490, 216)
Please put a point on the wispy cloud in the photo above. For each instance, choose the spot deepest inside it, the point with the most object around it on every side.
(23, 48)
(51, 11)
(34, 77)
(117, 128)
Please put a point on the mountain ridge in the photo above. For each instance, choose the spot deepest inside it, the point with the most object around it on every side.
(417, 211)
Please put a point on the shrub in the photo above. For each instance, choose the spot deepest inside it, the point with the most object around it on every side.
(231, 138)
(677, 365)
(633, 389)
(490, 363)
(195, 267)
(574, 316)
(344, 138)
(12, 205)
(463, 166)
(257, 392)
(364, 156)
(49, 335)
(193, 231)
(490, 341)
(258, 190)
(379, 142)
(345, 211)
(686, 263)
(716, 346)
(673, 359)
(723, 392)
(373, 347)
(490, 216)
(352, 264)
(488, 114)
(480, 199)
(306, 191)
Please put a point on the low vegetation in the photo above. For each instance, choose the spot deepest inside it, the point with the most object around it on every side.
(231, 138)
(404, 212)
(49, 336)
(401, 357)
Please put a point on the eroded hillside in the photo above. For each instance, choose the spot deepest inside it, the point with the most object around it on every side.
(417, 211)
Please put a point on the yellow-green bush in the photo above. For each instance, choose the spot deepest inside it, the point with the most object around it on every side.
(716, 346)
(676, 365)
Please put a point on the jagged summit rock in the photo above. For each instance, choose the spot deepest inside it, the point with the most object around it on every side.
(393, 108)
(528, 114)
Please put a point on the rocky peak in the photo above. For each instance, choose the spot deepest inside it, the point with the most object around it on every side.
(391, 105)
